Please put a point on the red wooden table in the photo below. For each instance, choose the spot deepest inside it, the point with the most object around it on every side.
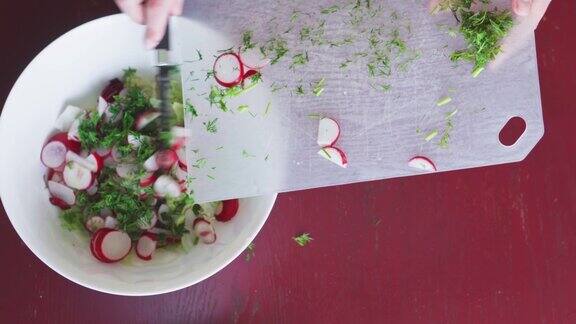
(491, 245)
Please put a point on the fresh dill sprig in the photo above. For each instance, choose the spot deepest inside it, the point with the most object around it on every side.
(303, 239)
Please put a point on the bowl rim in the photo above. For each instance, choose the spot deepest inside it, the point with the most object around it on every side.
(227, 257)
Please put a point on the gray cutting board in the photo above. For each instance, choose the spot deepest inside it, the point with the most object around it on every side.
(261, 151)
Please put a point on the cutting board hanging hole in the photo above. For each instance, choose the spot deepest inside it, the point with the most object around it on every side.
(512, 131)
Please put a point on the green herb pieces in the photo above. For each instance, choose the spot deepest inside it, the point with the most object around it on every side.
(443, 101)
(431, 135)
(303, 239)
(247, 155)
(211, 126)
(299, 59)
(318, 88)
(250, 251)
(247, 40)
(242, 108)
(330, 10)
(483, 31)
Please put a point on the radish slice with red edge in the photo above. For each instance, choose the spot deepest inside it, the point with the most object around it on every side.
(146, 246)
(95, 240)
(74, 131)
(179, 173)
(96, 162)
(149, 225)
(253, 58)
(94, 223)
(103, 152)
(102, 106)
(111, 222)
(228, 70)
(146, 118)
(67, 118)
(148, 180)
(93, 188)
(113, 246)
(166, 186)
(204, 231)
(181, 153)
(78, 177)
(163, 210)
(62, 192)
(125, 170)
(166, 159)
(151, 164)
(114, 87)
(328, 132)
(59, 203)
(226, 210)
(422, 163)
(53, 175)
(90, 163)
(53, 153)
(334, 155)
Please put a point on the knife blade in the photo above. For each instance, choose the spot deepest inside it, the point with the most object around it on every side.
(164, 64)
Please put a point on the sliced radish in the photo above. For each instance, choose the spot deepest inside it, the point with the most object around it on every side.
(146, 246)
(113, 89)
(179, 173)
(96, 240)
(226, 210)
(165, 159)
(204, 230)
(94, 223)
(53, 175)
(110, 222)
(113, 246)
(149, 225)
(59, 203)
(53, 153)
(179, 135)
(91, 162)
(93, 188)
(136, 141)
(145, 119)
(103, 152)
(96, 162)
(181, 153)
(166, 186)
(67, 118)
(422, 163)
(228, 70)
(60, 168)
(62, 192)
(151, 164)
(148, 179)
(74, 131)
(162, 211)
(102, 107)
(126, 170)
(253, 58)
(77, 177)
(334, 155)
(328, 132)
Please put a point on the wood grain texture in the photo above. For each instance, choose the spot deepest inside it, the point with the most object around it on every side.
(491, 245)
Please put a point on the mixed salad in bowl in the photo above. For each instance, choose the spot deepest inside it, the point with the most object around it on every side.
(107, 174)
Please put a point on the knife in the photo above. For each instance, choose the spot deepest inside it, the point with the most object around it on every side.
(164, 64)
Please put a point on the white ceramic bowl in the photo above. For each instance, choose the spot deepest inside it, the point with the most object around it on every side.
(71, 70)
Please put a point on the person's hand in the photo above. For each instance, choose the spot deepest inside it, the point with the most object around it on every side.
(154, 14)
(528, 15)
